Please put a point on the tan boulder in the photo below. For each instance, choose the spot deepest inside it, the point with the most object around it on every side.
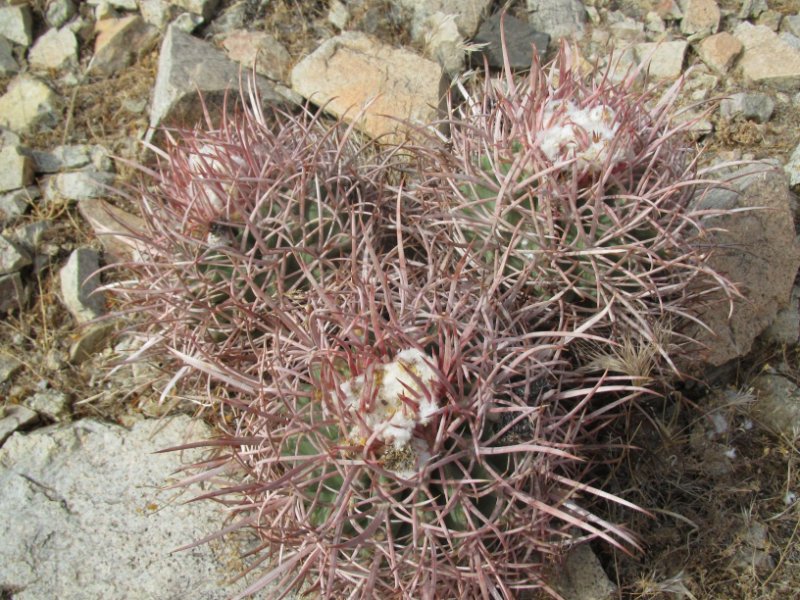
(357, 78)
(767, 58)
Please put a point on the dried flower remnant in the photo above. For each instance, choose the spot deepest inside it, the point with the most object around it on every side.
(402, 396)
(205, 163)
(585, 134)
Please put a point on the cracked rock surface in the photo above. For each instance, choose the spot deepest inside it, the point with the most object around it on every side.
(85, 516)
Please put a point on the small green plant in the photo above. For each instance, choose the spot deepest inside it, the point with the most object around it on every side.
(403, 410)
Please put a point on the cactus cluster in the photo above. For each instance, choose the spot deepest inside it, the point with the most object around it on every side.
(391, 337)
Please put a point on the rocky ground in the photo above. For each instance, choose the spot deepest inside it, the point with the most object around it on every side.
(83, 83)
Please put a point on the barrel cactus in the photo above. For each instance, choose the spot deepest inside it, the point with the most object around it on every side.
(386, 335)
(420, 451)
(581, 191)
(242, 222)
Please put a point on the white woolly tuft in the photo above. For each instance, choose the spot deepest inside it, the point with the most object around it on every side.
(582, 133)
(406, 382)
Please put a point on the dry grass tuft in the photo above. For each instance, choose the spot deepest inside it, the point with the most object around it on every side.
(637, 357)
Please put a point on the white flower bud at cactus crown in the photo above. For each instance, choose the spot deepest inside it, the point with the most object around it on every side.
(403, 398)
(582, 133)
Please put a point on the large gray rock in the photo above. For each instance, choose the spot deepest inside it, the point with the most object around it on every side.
(8, 64)
(56, 49)
(766, 58)
(753, 106)
(16, 24)
(16, 168)
(85, 517)
(352, 73)
(28, 105)
(80, 185)
(521, 41)
(757, 250)
(61, 158)
(79, 285)
(187, 66)
(558, 18)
